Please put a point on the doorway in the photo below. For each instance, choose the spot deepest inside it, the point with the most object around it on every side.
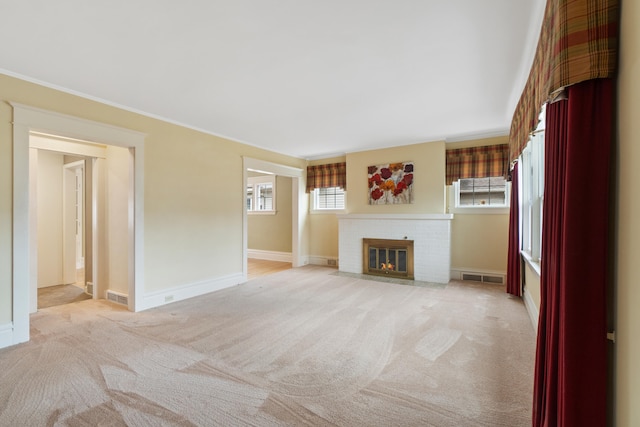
(62, 201)
(28, 120)
(255, 166)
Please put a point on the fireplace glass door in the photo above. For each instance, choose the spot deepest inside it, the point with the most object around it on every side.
(388, 257)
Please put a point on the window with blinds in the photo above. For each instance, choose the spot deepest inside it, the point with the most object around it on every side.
(330, 198)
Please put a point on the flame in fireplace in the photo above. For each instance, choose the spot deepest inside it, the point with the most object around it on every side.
(387, 266)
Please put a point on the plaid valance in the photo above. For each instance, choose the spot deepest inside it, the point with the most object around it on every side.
(329, 175)
(578, 41)
(477, 162)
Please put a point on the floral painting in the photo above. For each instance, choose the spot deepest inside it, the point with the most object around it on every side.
(391, 184)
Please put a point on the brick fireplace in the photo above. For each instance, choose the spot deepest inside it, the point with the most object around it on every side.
(430, 233)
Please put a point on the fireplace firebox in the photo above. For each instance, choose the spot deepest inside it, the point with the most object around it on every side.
(388, 257)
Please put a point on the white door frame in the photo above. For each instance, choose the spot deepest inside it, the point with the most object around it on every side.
(297, 205)
(27, 119)
(72, 209)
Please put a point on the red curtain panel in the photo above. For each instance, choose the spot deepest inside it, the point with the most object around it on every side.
(571, 355)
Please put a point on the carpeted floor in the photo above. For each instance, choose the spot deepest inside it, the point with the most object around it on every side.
(60, 294)
(299, 347)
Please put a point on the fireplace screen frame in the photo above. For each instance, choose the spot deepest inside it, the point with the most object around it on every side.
(389, 244)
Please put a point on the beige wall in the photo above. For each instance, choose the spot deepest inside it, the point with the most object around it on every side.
(428, 184)
(479, 242)
(323, 235)
(273, 232)
(627, 347)
(193, 188)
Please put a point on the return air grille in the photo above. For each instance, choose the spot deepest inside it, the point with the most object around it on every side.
(117, 298)
(485, 278)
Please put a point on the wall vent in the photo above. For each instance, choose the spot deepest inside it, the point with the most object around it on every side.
(332, 262)
(485, 278)
(118, 297)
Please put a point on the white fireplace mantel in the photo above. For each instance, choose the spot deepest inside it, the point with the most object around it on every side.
(397, 216)
(431, 234)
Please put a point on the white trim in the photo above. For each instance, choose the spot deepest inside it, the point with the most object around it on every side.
(27, 119)
(479, 210)
(532, 310)
(272, 168)
(535, 266)
(396, 216)
(53, 143)
(261, 212)
(166, 296)
(269, 255)
(6, 335)
(326, 211)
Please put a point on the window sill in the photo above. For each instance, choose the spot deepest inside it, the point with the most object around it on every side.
(261, 212)
(535, 265)
(327, 211)
(475, 210)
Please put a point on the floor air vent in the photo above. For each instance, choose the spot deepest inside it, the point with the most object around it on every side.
(117, 298)
(486, 278)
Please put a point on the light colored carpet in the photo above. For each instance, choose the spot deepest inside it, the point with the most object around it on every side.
(299, 347)
(60, 294)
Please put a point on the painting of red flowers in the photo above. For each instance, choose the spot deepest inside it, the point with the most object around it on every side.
(391, 183)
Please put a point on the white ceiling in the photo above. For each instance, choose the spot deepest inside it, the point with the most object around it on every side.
(308, 78)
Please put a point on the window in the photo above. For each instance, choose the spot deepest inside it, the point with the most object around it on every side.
(490, 191)
(481, 195)
(249, 197)
(261, 194)
(531, 178)
(330, 198)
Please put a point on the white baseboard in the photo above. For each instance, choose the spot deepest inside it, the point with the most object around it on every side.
(303, 260)
(323, 260)
(270, 255)
(159, 298)
(6, 335)
(533, 311)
